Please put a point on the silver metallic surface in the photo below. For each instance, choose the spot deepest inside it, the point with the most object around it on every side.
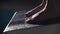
(18, 22)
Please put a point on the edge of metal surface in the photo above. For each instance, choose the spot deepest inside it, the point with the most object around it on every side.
(20, 26)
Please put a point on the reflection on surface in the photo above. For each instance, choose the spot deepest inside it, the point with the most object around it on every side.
(18, 22)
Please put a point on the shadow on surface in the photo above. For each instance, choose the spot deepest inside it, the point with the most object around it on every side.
(48, 22)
